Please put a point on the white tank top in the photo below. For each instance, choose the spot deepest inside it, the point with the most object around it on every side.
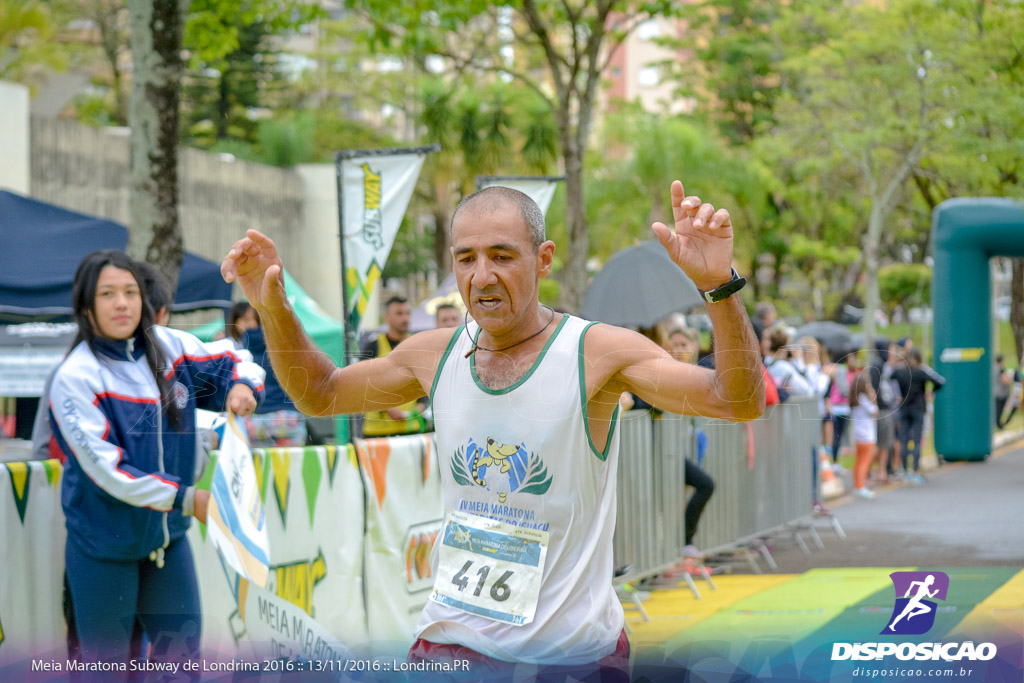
(554, 481)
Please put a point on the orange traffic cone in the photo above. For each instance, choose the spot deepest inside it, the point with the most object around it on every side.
(829, 485)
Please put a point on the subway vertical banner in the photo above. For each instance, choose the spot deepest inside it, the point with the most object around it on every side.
(374, 188)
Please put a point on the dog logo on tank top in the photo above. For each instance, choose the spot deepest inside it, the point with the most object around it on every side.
(500, 468)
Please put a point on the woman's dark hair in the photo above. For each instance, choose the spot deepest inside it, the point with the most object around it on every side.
(861, 384)
(238, 309)
(157, 288)
(83, 302)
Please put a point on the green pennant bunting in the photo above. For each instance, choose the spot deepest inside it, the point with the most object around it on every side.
(332, 462)
(19, 473)
(205, 483)
(261, 463)
(281, 462)
(312, 473)
(53, 471)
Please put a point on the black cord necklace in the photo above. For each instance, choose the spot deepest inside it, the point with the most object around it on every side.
(521, 341)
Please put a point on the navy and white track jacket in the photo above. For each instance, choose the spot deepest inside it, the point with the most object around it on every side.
(127, 470)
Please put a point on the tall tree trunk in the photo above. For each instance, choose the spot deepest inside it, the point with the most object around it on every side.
(872, 299)
(156, 30)
(574, 281)
(1017, 305)
(442, 255)
(223, 105)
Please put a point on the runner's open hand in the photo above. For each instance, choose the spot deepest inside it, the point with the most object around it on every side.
(701, 243)
(254, 262)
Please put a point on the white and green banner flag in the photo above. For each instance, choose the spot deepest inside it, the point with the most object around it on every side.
(375, 187)
(540, 189)
(235, 519)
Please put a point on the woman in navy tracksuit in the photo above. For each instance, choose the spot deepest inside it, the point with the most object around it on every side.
(123, 411)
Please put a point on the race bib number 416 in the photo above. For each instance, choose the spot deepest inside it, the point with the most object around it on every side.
(490, 568)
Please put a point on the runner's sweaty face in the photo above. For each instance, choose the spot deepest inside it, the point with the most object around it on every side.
(498, 268)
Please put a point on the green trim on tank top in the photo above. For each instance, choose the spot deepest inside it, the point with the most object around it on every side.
(583, 400)
(440, 366)
(497, 392)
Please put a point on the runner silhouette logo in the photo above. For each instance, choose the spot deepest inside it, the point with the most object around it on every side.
(914, 612)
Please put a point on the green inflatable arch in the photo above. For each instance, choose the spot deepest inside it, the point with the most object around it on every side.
(966, 233)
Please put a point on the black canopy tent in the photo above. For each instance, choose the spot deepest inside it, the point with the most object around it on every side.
(41, 245)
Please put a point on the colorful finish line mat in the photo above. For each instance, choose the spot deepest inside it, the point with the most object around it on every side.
(886, 624)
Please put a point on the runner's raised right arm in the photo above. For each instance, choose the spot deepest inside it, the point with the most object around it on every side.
(307, 374)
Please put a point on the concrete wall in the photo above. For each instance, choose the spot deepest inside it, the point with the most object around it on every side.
(87, 169)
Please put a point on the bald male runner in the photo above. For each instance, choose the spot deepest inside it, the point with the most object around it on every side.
(525, 410)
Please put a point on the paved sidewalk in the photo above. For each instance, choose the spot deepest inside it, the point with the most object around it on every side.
(965, 517)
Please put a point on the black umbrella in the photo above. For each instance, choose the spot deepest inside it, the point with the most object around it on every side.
(834, 336)
(638, 287)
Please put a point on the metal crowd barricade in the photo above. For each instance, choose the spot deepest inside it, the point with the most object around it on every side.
(649, 529)
(635, 546)
(758, 491)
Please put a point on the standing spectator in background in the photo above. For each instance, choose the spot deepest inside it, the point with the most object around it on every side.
(904, 344)
(276, 422)
(819, 371)
(862, 414)
(447, 315)
(158, 295)
(683, 344)
(406, 418)
(887, 398)
(764, 317)
(914, 380)
(160, 298)
(782, 368)
(241, 318)
(808, 363)
(1002, 385)
(838, 394)
(127, 491)
(1015, 394)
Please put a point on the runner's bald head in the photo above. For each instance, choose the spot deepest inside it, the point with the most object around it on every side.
(497, 197)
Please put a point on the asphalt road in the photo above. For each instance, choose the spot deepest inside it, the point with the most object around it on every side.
(965, 515)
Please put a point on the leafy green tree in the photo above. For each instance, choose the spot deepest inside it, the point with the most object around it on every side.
(480, 128)
(904, 284)
(558, 49)
(874, 93)
(738, 49)
(233, 64)
(26, 46)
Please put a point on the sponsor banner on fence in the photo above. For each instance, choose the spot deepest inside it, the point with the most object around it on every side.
(376, 190)
(277, 628)
(313, 500)
(32, 536)
(404, 511)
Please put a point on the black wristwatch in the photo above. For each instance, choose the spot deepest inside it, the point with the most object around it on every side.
(725, 291)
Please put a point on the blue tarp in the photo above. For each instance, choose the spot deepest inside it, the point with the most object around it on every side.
(41, 246)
